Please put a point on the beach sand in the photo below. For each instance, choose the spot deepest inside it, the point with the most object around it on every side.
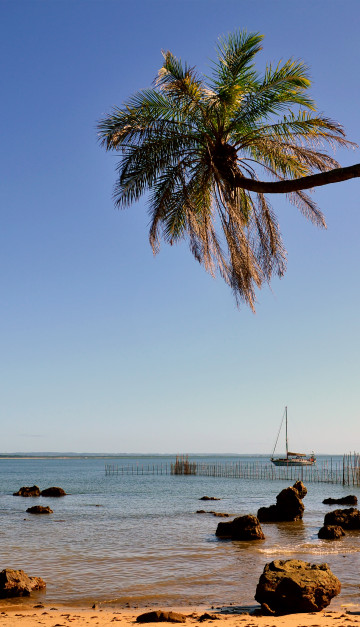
(63, 617)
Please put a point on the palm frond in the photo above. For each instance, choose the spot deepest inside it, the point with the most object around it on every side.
(268, 244)
(303, 127)
(234, 63)
(179, 82)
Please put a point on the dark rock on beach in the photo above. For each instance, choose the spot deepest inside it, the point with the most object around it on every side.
(290, 586)
(351, 499)
(241, 528)
(160, 616)
(345, 518)
(39, 509)
(16, 583)
(53, 492)
(28, 491)
(289, 505)
(331, 532)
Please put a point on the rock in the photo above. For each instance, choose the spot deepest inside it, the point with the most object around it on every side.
(266, 610)
(159, 616)
(331, 532)
(351, 499)
(241, 528)
(220, 514)
(345, 518)
(28, 491)
(201, 511)
(269, 514)
(290, 586)
(37, 583)
(209, 498)
(207, 616)
(39, 509)
(300, 489)
(16, 583)
(289, 505)
(53, 492)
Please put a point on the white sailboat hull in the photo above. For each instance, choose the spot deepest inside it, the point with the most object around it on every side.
(293, 462)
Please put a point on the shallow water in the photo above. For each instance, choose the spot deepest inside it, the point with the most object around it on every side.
(137, 539)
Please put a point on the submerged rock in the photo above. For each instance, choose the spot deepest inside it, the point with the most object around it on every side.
(209, 498)
(28, 491)
(290, 586)
(241, 528)
(39, 509)
(158, 616)
(331, 532)
(219, 514)
(53, 492)
(345, 518)
(16, 583)
(351, 499)
(289, 505)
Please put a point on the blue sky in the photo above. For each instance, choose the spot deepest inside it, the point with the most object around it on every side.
(105, 348)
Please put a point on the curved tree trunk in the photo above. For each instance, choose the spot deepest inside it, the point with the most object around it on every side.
(294, 185)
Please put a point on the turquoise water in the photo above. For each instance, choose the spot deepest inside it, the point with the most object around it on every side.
(137, 538)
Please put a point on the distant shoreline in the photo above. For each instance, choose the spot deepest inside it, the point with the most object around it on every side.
(30, 456)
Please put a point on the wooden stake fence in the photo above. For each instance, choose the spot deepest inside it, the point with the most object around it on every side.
(344, 472)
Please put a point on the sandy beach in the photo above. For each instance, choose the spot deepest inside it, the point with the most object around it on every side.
(60, 617)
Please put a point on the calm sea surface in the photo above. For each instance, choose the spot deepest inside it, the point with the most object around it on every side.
(136, 538)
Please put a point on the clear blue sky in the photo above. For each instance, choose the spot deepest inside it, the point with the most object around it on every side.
(106, 348)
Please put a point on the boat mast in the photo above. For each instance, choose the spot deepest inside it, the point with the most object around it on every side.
(286, 431)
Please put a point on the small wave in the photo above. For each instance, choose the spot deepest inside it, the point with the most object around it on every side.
(310, 549)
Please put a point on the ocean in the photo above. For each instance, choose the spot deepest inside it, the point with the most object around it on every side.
(136, 539)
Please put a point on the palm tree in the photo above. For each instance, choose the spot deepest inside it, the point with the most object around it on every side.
(197, 146)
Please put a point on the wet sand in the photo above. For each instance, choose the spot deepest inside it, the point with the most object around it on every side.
(62, 617)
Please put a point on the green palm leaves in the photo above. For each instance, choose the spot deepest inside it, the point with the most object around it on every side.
(196, 145)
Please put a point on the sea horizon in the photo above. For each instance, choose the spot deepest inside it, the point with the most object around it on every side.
(69, 454)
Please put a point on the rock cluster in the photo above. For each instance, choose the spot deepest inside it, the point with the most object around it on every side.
(35, 491)
(16, 583)
(289, 505)
(241, 528)
(290, 586)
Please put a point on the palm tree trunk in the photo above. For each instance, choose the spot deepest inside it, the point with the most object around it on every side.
(294, 185)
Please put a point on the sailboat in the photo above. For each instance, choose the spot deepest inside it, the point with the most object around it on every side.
(291, 459)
